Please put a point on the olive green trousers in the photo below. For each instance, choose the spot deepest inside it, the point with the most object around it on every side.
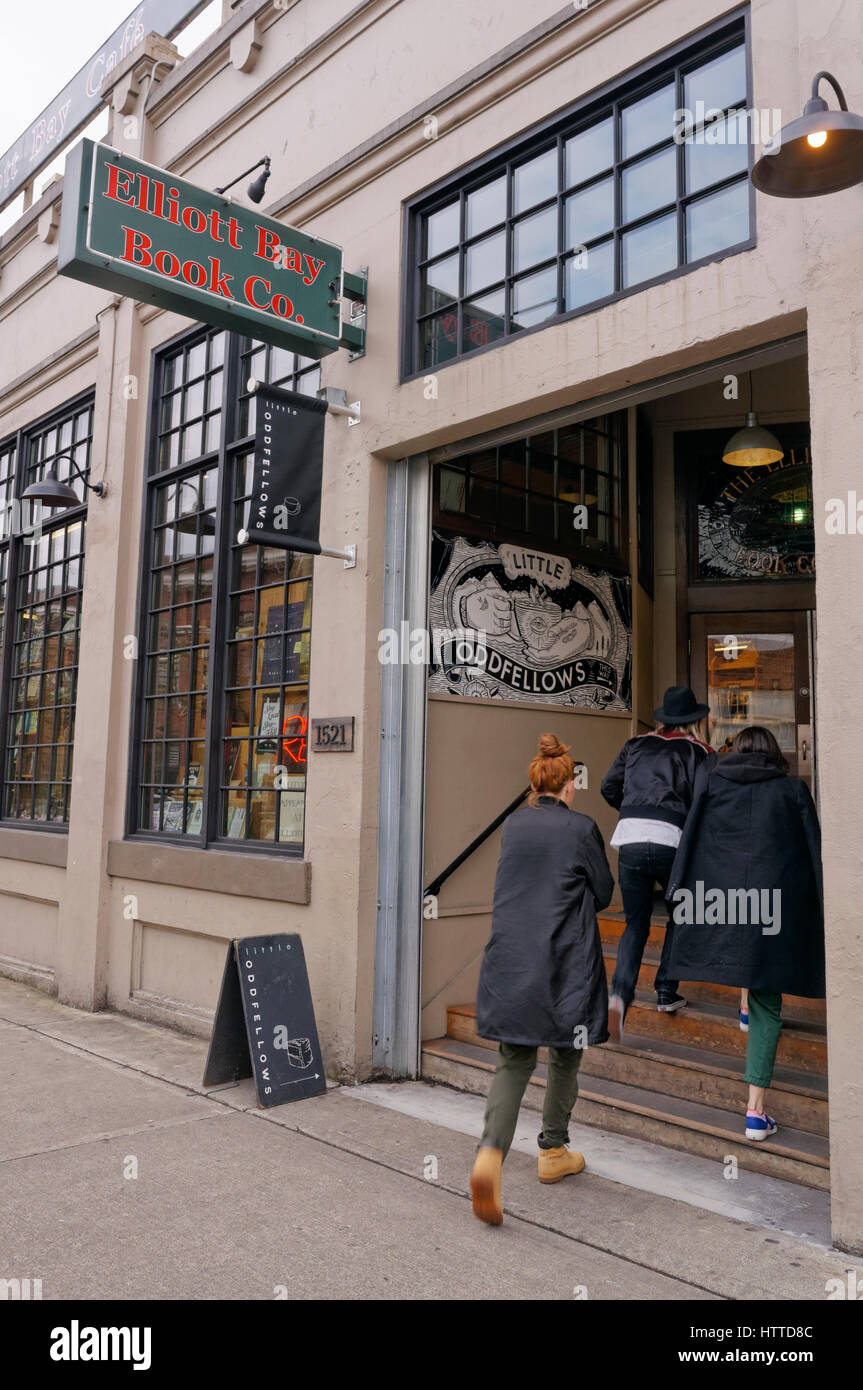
(514, 1070)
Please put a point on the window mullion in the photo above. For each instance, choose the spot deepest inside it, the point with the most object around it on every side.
(7, 636)
(216, 661)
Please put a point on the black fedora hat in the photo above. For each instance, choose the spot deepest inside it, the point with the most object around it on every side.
(679, 706)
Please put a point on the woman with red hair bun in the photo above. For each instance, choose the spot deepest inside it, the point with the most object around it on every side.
(542, 981)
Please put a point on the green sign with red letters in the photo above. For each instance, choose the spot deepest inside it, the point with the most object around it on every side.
(141, 231)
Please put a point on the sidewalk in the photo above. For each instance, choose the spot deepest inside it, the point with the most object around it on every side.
(327, 1198)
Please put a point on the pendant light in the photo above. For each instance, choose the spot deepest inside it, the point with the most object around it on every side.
(820, 152)
(753, 446)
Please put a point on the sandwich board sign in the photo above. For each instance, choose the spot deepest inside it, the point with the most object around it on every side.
(265, 1022)
(144, 232)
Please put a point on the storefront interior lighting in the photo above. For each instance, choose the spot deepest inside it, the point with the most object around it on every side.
(753, 446)
(820, 152)
(51, 492)
(256, 188)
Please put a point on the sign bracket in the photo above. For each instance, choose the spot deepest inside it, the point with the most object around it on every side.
(337, 404)
(353, 335)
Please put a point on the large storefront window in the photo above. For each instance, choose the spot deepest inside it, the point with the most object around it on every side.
(41, 576)
(223, 704)
(563, 486)
(633, 187)
(530, 599)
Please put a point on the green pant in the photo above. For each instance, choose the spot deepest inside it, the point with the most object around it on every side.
(514, 1070)
(765, 1023)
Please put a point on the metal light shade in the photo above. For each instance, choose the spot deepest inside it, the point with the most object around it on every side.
(753, 446)
(821, 152)
(51, 492)
(256, 188)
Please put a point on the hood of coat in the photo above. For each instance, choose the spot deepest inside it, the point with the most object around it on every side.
(749, 767)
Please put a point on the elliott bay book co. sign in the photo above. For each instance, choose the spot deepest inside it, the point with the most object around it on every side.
(141, 231)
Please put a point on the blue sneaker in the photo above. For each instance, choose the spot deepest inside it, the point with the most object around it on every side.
(744, 1020)
(759, 1126)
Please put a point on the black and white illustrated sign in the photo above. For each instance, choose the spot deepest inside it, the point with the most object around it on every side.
(285, 507)
(265, 1022)
(515, 623)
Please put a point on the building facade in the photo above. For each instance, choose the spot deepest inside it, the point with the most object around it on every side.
(574, 297)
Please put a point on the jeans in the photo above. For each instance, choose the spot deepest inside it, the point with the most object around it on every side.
(639, 867)
(765, 1024)
(514, 1070)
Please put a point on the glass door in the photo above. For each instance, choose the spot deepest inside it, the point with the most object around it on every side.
(754, 668)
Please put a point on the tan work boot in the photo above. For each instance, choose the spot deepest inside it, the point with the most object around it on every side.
(554, 1164)
(485, 1185)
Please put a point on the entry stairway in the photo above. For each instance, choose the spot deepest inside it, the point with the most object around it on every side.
(676, 1079)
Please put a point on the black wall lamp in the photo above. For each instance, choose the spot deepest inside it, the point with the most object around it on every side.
(256, 188)
(52, 492)
(820, 152)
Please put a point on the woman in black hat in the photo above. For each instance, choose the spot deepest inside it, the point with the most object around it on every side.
(651, 784)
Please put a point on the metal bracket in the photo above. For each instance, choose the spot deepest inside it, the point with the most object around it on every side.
(354, 288)
(348, 553)
(337, 403)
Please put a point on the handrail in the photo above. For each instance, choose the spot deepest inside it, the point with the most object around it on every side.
(436, 884)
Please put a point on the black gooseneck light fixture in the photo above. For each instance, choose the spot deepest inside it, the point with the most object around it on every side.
(820, 152)
(256, 188)
(52, 492)
(753, 446)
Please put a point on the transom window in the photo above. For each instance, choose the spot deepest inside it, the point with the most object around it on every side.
(223, 702)
(652, 180)
(536, 488)
(41, 576)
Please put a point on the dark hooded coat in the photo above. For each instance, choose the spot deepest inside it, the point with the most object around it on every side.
(751, 826)
(542, 974)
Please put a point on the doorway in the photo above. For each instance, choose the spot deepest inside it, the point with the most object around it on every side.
(755, 668)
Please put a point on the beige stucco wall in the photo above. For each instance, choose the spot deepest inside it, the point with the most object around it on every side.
(345, 88)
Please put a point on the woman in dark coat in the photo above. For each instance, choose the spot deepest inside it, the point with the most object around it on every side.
(746, 896)
(542, 981)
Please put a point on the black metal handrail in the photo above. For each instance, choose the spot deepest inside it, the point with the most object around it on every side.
(436, 884)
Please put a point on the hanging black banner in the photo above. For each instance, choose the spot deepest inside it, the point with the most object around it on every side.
(285, 507)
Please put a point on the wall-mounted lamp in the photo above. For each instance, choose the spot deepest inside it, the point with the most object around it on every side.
(52, 492)
(820, 152)
(256, 188)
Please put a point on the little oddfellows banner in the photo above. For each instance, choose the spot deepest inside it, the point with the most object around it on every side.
(285, 507)
(511, 622)
(140, 231)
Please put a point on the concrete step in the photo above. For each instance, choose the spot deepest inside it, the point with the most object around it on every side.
(688, 1073)
(795, 1155)
(709, 1029)
(794, 1007)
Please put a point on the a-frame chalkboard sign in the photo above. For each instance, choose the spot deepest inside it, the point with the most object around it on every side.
(265, 1022)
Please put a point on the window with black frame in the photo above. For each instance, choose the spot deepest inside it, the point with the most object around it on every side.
(642, 185)
(223, 703)
(561, 488)
(41, 576)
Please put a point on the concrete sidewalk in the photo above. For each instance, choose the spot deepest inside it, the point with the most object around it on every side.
(326, 1198)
